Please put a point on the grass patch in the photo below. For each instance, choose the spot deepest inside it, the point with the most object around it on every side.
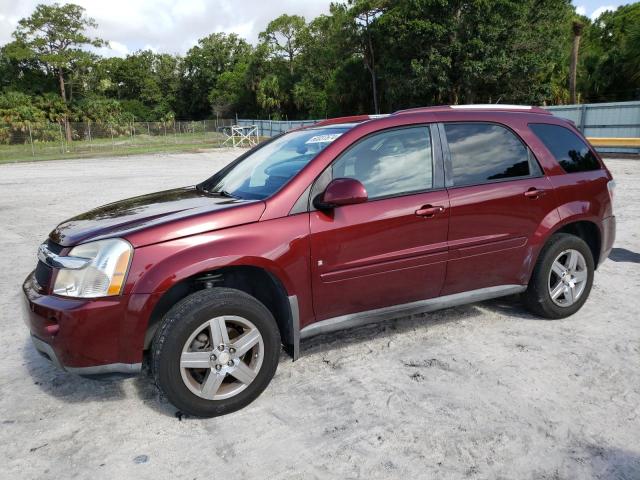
(118, 146)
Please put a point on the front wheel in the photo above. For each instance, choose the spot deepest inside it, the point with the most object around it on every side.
(215, 352)
(562, 277)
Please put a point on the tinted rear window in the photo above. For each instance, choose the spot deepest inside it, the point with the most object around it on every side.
(571, 152)
(485, 152)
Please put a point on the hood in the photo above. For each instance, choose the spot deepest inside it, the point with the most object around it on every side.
(158, 217)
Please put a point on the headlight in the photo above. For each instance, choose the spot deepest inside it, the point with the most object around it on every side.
(104, 273)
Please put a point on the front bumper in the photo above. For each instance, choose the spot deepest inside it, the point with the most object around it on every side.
(81, 336)
(49, 353)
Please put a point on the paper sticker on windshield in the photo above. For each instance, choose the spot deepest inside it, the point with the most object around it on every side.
(323, 138)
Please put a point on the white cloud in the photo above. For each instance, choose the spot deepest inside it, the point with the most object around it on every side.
(112, 49)
(10, 13)
(581, 10)
(600, 10)
(171, 26)
(150, 47)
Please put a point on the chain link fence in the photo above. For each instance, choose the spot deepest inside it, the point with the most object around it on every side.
(269, 128)
(37, 141)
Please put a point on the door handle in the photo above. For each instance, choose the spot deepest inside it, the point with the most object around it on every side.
(429, 210)
(534, 193)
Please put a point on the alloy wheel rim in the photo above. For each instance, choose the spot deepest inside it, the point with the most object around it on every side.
(567, 278)
(221, 357)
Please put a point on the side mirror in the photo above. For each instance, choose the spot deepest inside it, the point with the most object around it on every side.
(339, 192)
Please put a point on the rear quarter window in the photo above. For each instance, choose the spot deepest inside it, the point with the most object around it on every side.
(570, 151)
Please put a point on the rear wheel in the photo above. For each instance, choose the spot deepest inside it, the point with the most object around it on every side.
(215, 352)
(562, 277)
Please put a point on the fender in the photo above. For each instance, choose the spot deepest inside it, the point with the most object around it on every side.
(580, 197)
(549, 223)
(283, 253)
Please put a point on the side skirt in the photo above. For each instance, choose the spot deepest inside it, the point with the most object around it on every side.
(387, 313)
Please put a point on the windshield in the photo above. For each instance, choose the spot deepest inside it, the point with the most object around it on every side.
(269, 168)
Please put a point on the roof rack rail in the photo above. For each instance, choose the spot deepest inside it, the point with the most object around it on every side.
(478, 106)
(351, 119)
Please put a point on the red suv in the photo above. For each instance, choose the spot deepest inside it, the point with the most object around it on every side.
(352, 220)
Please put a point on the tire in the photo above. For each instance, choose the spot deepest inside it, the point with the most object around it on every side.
(187, 339)
(553, 270)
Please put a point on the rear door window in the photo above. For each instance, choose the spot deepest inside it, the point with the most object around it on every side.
(570, 151)
(485, 153)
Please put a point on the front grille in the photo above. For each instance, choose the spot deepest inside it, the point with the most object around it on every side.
(43, 271)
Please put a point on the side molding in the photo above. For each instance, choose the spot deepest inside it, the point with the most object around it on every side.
(421, 306)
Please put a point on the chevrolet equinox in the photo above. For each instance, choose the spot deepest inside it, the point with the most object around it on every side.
(349, 221)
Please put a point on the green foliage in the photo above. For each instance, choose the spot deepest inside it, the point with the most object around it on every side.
(230, 93)
(610, 68)
(24, 75)
(54, 37)
(285, 37)
(103, 111)
(362, 56)
(17, 109)
(271, 96)
(19, 112)
(474, 51)
(203, 65)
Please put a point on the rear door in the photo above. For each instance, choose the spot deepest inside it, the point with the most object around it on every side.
(392, 249)
(498, 197)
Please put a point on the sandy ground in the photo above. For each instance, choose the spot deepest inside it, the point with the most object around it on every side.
(484, 391)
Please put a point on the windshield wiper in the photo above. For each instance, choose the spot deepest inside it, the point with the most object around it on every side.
(224, 193)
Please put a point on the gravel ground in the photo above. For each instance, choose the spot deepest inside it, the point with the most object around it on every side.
(480, 391)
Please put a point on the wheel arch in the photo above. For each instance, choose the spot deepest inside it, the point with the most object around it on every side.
(256, 281)
(588, 231)
(586, 228)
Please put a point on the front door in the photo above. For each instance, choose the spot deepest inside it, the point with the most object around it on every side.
(392, 249)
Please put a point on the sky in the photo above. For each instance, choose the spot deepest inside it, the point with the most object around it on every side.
(174, 26)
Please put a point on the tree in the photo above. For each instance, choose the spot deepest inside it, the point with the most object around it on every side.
(468, 51)
(610, 58)
(285, 36)
(54, 35)
(203, 65)
(332, 80)
(271, 97)
(577, 28)
(24, 75)
(146, 82)
(230, 93)
(366, 13)
(362, 56)
(105, 111)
